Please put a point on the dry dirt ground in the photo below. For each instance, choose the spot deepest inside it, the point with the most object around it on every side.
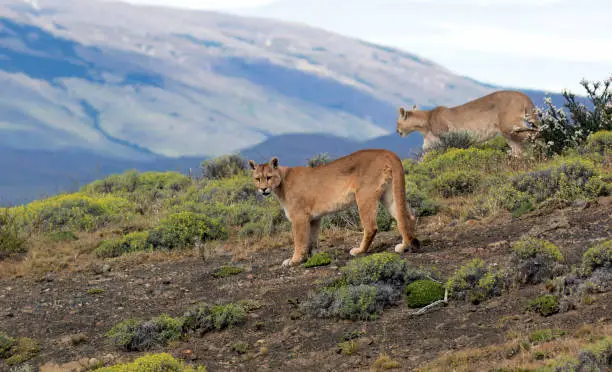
(54, 308)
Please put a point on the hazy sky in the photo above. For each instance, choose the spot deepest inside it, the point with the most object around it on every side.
(542, 44)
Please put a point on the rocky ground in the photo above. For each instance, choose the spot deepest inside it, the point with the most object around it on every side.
(70, 313)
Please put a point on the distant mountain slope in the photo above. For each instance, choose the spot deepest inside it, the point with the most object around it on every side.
(96, 82)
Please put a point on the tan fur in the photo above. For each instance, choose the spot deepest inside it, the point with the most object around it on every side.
(499, 112)
(307, 194)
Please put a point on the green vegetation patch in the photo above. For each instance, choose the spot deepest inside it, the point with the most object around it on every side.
(184, 229)
(11, 240)
(546, 335)
(225, 271)
(204, 318)
(423, 292)
(456, 183)
(384, 267)
(318, 259)
(63, 236)
(597, 356)
(17, 351)
(598, 256)
(133, 242)
(545, 305)
(153, 362)
(76, 211)
(135, 335)
(476, 282)
(536, 260)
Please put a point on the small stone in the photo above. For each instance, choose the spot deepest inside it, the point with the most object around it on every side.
(93, 362)
(79, 338)
(106, 268)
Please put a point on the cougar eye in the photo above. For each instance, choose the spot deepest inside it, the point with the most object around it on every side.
(268, 178)
(257, 179)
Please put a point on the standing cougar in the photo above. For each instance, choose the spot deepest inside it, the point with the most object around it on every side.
(307, 194)
(502, 112)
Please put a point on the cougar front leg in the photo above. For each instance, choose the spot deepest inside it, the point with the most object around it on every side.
(300, 229)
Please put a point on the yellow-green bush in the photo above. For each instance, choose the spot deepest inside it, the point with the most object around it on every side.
(135, 335)
(16, 351)
(600, 142)
(184, 229)
(11, 237)
(133, 242)
(471, 159)
(76, 211)
(476, 282)
(153, 363)
(456, 183)
(598, 256)
(157, 184)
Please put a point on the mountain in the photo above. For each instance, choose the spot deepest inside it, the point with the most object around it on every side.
(111, 86)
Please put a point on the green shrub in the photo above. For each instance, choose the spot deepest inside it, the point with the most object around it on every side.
(564, 363)
(224, 167)
(598, 256)
(63, 236)
(472, 159)
(184, 229)
(17, 351)
(6, 344)
(384, 267)
(597, 356)
(132, 242)
(11, 239)
(545, 305)
(73, 211)
(423, 292)
(456, 183)
(454, 140)
(599, 142)
(154, 363)
(476, 282)
(545, 335)
(240, 347)
(349, 219)
(318, 259)
(319, 159)
(225, 271)
(134, 335)
(536, 260)
(203, 318)
(497, 143)
(562, 129)
(157, 185)
(357, 302)
(420, 201)
(348, 347)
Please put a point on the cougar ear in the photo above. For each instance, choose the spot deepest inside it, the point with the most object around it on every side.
(402, 111)
(274, 162)
(252, 164)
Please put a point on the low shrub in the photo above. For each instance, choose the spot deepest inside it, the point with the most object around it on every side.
(153, 362)
(223, 167)
(319, 159)
(16, 351)
(74, 212)
(456, 183)
(184, 229)
(563, 363)
(225, 271)
(423, 292)
(349, 219)
(384, 362)
(597, 356)
(536, 260)
(599, 142)
(318, 259)
(545, 335)
(11, 240)
(354, 302)
(545, 305)
(419, 200)
(204, 318)
(132, 242)
(476, 282)
(134, 335)
(156, 185)
(454, 140)
(598, 256)
(471, 159)
(384, 267)
(63, 236)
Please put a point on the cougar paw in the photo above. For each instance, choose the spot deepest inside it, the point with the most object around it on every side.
(355, 252)
(400, 248)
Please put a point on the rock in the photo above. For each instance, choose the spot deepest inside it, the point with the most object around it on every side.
(79, 338)
(108, 358)
(93, 362)
(557, 221)
(106, 268)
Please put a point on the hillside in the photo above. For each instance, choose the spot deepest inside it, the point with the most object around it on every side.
(187, 272)
(126, 86)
